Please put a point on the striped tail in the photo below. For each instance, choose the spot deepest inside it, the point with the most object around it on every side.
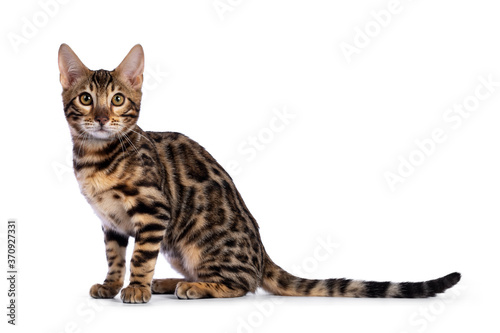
(279, 282)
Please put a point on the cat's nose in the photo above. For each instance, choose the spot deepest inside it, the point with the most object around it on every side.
(102, 120)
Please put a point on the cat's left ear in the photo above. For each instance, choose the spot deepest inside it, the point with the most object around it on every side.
(132, 67)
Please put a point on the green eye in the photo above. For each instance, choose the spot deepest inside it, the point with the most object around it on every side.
(118, 99)
(85, 99)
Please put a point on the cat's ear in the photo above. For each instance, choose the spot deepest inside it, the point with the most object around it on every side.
(132, 67)
(70, 67)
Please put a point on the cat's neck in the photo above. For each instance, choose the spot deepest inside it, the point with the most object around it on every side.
(85, 145)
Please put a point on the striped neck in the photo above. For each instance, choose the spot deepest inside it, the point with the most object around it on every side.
(84, 145)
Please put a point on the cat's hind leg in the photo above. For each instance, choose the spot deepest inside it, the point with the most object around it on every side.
(196, 290)
(165, 286)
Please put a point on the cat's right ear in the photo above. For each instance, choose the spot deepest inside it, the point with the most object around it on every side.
(70, 66)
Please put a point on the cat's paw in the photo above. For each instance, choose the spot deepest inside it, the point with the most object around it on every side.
(187, 290)
(164, 286)
(156, 287)
(104, 291)
(136, 294)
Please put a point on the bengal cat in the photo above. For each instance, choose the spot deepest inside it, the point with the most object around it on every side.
(172, 196)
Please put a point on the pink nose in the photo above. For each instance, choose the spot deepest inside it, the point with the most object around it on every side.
(102, 120)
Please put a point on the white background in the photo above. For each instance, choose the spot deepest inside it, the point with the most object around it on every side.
(317, 178)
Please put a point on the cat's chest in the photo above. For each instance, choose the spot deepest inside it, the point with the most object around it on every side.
(108, 204)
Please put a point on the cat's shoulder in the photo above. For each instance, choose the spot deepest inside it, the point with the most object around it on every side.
(174, 143)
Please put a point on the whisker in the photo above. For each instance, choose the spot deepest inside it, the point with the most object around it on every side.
(121, 144)
(82, 142)
(80, 135)
(125, 136)
(145, 137)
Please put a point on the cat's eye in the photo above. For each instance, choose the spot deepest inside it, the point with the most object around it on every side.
(118, 100)
(85, 99)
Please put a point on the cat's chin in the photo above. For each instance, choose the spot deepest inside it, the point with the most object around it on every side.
(102, 135)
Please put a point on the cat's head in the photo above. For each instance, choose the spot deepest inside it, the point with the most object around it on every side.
(101, 105)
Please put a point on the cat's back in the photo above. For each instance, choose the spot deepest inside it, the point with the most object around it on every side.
(189, 167)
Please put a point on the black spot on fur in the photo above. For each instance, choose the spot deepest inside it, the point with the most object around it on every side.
(127, 190)
(195, 169)
(111, 235)
(342, 285)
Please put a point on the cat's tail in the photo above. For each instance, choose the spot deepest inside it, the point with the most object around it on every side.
(279, 282)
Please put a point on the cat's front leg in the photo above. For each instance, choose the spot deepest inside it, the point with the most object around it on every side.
(149, 233)
(116, 245)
